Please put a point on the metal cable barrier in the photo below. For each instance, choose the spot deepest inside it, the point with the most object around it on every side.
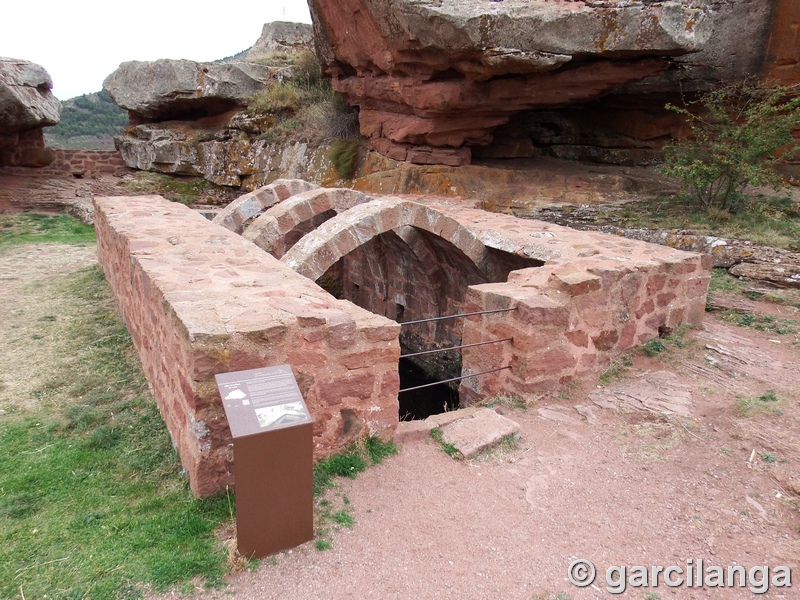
(482, 312)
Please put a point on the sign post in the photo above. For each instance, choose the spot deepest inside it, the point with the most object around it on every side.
(272, 459)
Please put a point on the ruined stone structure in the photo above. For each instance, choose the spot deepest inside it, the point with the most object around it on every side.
(78, 163)
(200, 299)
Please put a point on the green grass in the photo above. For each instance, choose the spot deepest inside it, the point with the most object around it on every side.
(447, 448)
(27, 228)
(355, 459)
(508, 400)
(344, 156)
(766, 403)
(721, 281)
(616, 370)
(653, 347)
(777, 325)
(92, 500)
(766, 220)
(186, 190)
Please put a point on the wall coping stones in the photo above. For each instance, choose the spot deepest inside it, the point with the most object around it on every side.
(199, 299)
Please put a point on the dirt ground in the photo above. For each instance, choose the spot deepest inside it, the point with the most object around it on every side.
(622, 488)
(677, 460)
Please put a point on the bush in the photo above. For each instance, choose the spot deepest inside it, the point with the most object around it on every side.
(738, 133)
(344, 155)
(306, 109)
(277, 98)
(307, 70)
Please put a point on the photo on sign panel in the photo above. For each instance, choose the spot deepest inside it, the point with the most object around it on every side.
(270, 416)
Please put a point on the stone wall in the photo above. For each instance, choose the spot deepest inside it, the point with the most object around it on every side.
(199, 299)
(579, 298)
(574, 317)
(77, 163)
(87, 163)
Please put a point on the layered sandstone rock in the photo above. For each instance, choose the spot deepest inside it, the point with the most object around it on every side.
(26, 106)
(168, 89)
(281, 36)
(446, 73)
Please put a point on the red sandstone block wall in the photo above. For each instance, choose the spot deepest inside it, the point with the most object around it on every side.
(573, 319)
(88, 162)
(75, 163)
(199, 300)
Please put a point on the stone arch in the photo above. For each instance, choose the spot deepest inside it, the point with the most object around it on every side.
(271, 229)
(320, 249)
(238, 213)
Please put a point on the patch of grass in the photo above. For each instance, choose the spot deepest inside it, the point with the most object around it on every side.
(377, 449)
(305, 108)
(186, 190)
(92, 501)
(616, 370)
(344, 155)
(447, 448)
(777, 325)
(767, 402)
(508, 400)
(24, 228)
(766, 220)
(722, 281)
(677, 338)
(653, 347)
(323, 544)
(343, 518)
(768, 457)
(355, 459)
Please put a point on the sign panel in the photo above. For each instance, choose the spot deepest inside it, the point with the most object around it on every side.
(259, 400)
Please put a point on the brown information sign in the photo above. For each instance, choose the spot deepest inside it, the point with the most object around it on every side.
(259, 400)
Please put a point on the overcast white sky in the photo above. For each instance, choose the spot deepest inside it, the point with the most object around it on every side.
(83, 41)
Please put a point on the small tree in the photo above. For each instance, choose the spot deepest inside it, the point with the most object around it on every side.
(738, 133)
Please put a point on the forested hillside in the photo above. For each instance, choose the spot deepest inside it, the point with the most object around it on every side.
(87, 122)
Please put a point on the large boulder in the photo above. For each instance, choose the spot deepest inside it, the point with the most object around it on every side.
(446, 73)
(26, 106)
(281, 36)
(169, 89)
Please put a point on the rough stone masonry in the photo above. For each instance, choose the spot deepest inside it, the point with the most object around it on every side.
(200, 299)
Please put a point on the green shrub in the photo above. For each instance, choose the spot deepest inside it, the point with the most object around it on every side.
(653, 347)
(307, 70)
(738, 133)
(344, 154)
(277, 98)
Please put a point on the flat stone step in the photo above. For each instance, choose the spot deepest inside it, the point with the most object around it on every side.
(470, 430)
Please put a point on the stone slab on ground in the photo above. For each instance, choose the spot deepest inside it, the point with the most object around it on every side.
(478, 431)
(659, 392)
(471, 430)
(419, 429)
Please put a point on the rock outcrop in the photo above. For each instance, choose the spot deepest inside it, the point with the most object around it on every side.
(446, 73)
(170, 89)
(281, 36)
(26, 106)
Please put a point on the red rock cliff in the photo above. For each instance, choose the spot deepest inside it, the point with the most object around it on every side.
(443, 74)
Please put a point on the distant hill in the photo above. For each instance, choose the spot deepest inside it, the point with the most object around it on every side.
(88, 122)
